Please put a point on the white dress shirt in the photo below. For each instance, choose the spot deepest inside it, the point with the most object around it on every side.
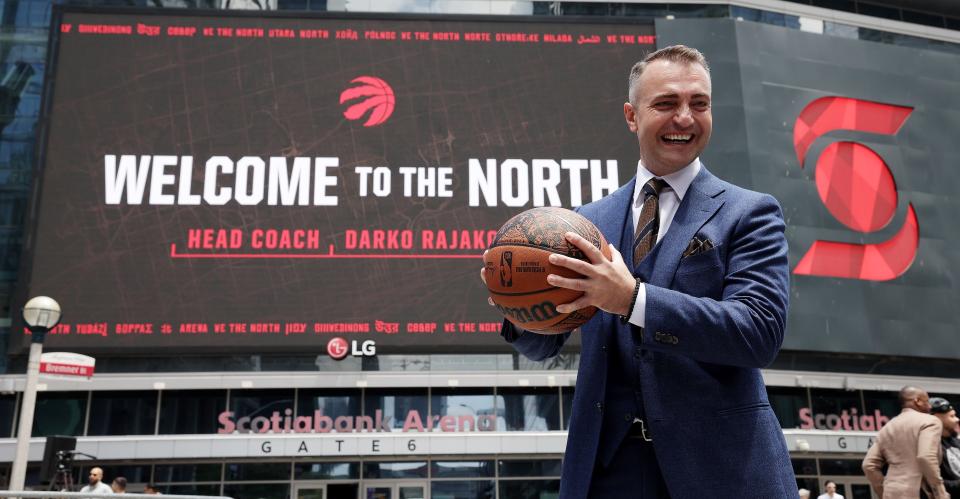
(670, 197)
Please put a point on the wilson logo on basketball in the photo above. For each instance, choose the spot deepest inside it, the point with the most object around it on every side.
(373, 96)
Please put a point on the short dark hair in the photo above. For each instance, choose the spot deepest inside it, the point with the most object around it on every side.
(673, 53)
(121, 482)
(828, 482)
(908, 394)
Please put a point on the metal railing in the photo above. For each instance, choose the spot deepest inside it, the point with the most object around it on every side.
(39, 494)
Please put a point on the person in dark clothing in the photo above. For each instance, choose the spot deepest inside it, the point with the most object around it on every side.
(949, 443)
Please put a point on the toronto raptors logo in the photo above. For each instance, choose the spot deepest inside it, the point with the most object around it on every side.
(857, 187)
(338, 348)
(373, 96)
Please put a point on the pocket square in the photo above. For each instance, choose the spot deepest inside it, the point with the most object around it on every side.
(697, 245)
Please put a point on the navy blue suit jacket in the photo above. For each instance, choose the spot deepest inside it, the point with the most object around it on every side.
(713, 320)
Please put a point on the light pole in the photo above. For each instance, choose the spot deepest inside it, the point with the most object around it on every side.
(41, 314)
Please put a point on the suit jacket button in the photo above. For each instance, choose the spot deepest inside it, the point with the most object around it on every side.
(603, 347)
(600, 406)
(628, 417)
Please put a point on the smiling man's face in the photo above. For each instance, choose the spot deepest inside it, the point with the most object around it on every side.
(671, 115)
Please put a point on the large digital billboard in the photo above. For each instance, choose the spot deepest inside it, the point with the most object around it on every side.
(234, 182)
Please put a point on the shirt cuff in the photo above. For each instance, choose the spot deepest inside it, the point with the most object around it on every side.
(638, 316)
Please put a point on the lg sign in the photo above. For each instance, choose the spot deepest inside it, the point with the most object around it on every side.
(338, 348)
(857, 188)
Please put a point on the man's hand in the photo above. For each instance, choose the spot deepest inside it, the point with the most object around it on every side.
(483, 277)
(606, 284)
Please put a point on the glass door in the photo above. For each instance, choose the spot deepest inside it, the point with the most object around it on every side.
(310, 492)
(389, 489)
(852, 487)
(325, 490)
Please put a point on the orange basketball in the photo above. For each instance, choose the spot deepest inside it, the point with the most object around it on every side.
(517, 266)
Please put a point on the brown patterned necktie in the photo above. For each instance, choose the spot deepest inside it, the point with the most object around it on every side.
(645, 236)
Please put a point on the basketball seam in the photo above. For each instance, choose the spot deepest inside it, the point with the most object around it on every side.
(544, 290)
(528, 245)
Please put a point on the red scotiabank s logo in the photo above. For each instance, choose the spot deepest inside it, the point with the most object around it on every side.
(372, 94)
(856, 186)
(338, 348)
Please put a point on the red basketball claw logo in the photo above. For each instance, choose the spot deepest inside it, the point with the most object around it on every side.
(338, 348)
(856, 186)
(372, 94)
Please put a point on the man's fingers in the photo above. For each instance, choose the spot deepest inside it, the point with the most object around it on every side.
(615, 255)
(591, 251)
(566, 282)
(578, 266)
(573, 306)
(483, 275)
(490, 301)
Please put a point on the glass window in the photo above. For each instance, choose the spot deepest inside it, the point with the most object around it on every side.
(879, 11)
(530, 489)
(331, 403)
(523, 467)
(471, 409)
(834, 409)
(194, 489)
(133, 474)
(397, 405)
(804, 466)
(879, 405)
(123, 413)
(690, 10)
(529, 409)
(256, 471)
(844, 467)
(844, 5)
(811, 484)
(912, 16)
(184, 412)
(566, 394)
(260, 404)
(953, 23)
(787, 403)
(59, 413)
(8, 407)
(404, 469)
(460, 469)
(201, 472)
(476, 489)
(320, 471)
(257, 491)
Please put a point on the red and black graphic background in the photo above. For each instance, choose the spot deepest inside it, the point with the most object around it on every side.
(133, 276)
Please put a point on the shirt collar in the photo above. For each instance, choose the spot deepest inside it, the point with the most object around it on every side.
(679, 181)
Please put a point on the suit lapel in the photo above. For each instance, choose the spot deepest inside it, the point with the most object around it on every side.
(611, 218)
(702, 200)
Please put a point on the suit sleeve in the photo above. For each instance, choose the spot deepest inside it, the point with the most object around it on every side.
(928, 457)
(746, 327)
(873, 468)
(536, 347)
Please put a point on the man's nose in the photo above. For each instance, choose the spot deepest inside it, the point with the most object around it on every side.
(684, 116)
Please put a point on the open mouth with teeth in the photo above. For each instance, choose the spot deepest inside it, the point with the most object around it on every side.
(677, 138)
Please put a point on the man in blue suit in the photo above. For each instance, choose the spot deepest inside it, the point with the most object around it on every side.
(670, 402)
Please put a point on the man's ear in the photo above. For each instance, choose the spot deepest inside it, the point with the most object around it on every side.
(630, 114)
